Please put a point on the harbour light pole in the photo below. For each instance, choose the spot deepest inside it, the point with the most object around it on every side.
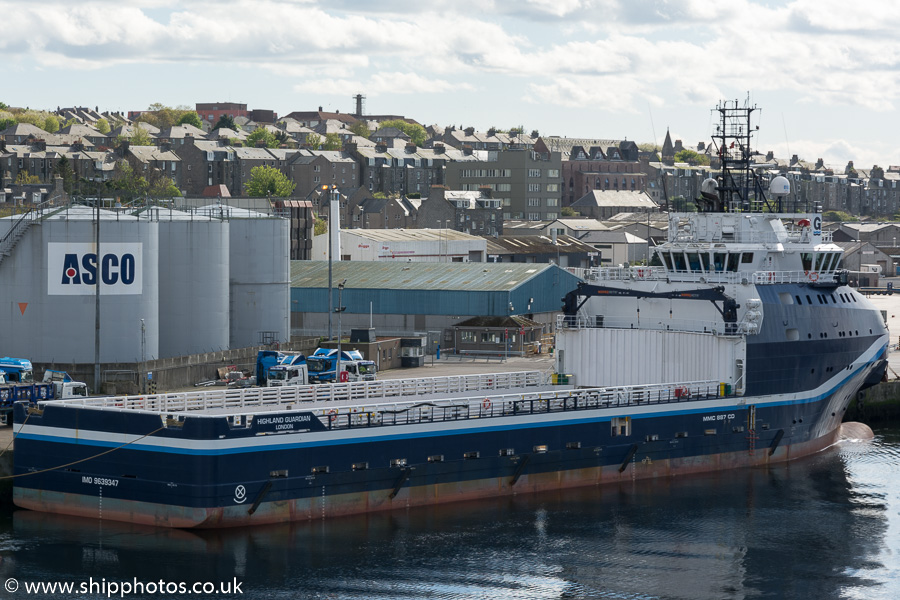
(339, 310)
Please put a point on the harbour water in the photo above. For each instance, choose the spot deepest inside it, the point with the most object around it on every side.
(823, 527)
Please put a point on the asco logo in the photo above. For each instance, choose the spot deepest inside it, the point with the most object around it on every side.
(112, 269)
(74, 269)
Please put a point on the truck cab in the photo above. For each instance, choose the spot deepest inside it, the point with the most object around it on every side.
(283, 375)
(64, 386)
(323, 364)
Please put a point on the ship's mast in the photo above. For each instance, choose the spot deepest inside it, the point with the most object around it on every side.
(733, 137)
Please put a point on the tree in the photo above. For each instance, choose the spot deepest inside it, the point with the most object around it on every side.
(64, 169)
(284, 139)
(567, 211)
(103, 126)
(51, 124)
(162, 187)
(266, 180)
(416, 132)
(140, 136)
(31, 117)
(162, 116)
(320, 226)
(127, 183)
(261, 134)
(226, 122)
(682, 204)
(23, 178)
(332, 142)
(360, 128)
(191, 118)
(838, 216)
(313, 141)
(3, 106)
(7, 123)
(691, 157)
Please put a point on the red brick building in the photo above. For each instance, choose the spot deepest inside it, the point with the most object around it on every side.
(211, 112)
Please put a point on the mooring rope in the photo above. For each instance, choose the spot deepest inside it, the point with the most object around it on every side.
(75, 462)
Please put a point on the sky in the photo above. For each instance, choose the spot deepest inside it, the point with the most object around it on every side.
(824, 73)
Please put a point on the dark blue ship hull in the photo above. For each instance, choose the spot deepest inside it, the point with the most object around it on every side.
(206, 471)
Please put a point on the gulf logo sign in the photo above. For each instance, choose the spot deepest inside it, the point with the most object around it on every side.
(74, 269)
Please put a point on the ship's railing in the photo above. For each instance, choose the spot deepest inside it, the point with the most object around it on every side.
(730, 277)
(582, 321)
(360, 391)
(513, 405)
(790, 236)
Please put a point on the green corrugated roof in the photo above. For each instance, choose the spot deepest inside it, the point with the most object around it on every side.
(470, 276)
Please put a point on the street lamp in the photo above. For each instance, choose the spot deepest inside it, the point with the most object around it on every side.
(339, 310)
(447, 235)
(143, 357)
(325, 189)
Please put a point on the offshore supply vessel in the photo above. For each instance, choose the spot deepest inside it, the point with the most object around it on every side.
(740, 344)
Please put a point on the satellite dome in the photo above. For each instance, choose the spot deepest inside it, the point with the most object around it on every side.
(709, 186)
(780, 186)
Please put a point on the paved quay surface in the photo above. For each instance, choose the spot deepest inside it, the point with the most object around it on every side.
(472, 366)
(891, 305)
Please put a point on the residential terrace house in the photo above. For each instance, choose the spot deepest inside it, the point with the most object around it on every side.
(589, 165)
(527, 183)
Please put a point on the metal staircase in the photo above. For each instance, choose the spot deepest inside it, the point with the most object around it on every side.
(9, 241)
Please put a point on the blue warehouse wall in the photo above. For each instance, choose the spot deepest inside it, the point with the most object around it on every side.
(544, 291)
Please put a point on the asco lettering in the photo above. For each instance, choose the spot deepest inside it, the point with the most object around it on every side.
(79, 268)
(113, 269)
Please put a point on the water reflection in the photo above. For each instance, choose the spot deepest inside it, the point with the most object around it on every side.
(823, 527)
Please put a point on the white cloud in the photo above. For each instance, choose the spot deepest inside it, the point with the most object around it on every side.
(382, 83)
(615, 56)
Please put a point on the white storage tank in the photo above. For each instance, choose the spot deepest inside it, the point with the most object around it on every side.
(259, 271)
(48, 290)
(193, 289)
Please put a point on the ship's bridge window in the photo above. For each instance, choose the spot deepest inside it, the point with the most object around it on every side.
(667, 258)
(719, 261)
(678, 261)
(655, 261)
(693, 261)
(807, 259)
(747, 258)
(819, 257)
(704, 260)
(733, 261)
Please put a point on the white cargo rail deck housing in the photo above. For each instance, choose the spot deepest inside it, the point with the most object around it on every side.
(649, 356)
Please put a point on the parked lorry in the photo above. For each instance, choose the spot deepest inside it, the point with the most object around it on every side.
(64, 386)
(275, 369)
(17, 383)
(322, 366)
